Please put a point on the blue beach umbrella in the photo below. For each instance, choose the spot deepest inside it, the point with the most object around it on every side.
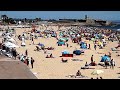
(104, 58)
(65, 52)
(77, 52)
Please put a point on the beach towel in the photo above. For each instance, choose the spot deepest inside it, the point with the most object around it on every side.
(76, 60)
(74, 76)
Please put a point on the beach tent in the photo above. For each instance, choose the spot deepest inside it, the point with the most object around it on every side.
(65, 52)
(77, 52)
(61, 43)
(105, 58)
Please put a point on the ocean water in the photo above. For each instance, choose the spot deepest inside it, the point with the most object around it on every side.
(116, 27)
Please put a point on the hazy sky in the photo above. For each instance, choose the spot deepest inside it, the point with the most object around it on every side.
(106, 15)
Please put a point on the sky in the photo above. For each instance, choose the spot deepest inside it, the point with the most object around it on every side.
(104, 15)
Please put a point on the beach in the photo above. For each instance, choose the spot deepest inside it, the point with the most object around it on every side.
(54, 68)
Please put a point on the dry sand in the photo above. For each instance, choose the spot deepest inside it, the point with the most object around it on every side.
(46, 68)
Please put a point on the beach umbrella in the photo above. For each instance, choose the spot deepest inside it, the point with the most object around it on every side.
(65, 52)
(105, 58)
(97, 72)
(61, 42)
(77, 52)
(62, 39)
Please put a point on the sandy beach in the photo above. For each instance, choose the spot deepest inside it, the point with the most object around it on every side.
(54, 68)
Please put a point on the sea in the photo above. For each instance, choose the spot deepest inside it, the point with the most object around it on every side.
(115, 27)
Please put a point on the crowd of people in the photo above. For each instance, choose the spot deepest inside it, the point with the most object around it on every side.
(75, 34)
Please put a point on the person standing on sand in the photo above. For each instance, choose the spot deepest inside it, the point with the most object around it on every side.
(106, 63)
(27, 61)
(14, 52)
(89, 46)
(67, 44)
(32, 61)
(32, 40)
(112, 64)
(110, 55)
(101, 78)
(91, 58)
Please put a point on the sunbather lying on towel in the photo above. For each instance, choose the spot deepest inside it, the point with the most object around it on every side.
(114, 49)
(50, 48)
(37, 48)
(49, 56)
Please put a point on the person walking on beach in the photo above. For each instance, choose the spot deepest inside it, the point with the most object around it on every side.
(32, 61)
(26, 52)
(95, 46)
